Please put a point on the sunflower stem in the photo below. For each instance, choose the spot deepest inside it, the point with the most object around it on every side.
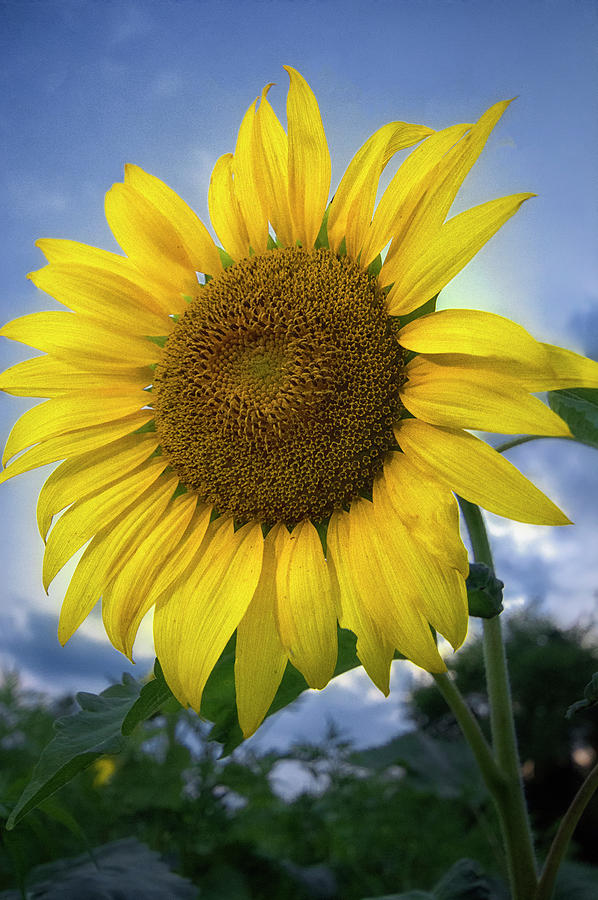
(564, 834)
(472, 732)
(515, 442)
(525, 439)
(510, 797)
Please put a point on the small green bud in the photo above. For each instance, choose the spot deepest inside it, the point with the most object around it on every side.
(484, 592)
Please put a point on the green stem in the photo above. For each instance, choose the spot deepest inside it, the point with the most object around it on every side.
(471, 732)
(526, 438)
(510, 799)
(564, 834)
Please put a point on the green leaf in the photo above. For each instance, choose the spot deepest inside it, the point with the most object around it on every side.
(122, 868)
(152, 698)
(219, 704)
(484, 592)
(79, 740)
(55, 811)
(464, 881)
(409, 895)
(576, 881)
(579, 408)
(590, 694)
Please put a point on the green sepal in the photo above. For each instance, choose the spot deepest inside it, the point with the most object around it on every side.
(225, 259)
(428, 307)
(484, 592)
(322, 529)
(160, 339)
(148, 428)
(579, 408)
(590, 694)
(322, 238)
(375, 266)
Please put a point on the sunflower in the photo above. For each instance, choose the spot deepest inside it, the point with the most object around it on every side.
(272, 447)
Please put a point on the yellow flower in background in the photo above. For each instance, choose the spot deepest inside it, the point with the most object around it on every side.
(105, 769)
(273, 448)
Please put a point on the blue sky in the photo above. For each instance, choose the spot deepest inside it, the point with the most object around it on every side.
(87, 86)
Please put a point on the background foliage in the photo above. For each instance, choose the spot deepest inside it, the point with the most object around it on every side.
(383, 821)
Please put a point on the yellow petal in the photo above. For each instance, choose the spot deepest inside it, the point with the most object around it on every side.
(466, 398)
(306, 613)
(193, 624)
(565, 369)
(195, 237)
(454, 245)
(353, 203)
(260, 658)
(374, 649)
(44, 376)
(247, 189)
(433, 196)
(428, 510)
(557, 369)
(148, 238)
(478, 473)
(63, 414)
(81, 341)
(101, 295)
(438, 588)
(124, 603)
(165, 293)
(473, 332)
(89, 472)
(225, 211)
(73, 442)
(392, 213)
(182, 558)
(95, 511)
(309, 160)
(271, 151)
(372, 561)
(108, 552)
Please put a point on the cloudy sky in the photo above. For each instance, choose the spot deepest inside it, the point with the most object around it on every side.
(87, 86)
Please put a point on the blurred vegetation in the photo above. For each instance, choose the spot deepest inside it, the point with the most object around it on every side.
(549, 668)
(386, 820)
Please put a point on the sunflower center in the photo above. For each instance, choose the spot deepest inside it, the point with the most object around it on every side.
(278, 387)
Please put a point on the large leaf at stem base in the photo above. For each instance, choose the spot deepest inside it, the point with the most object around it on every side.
(79, 740)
